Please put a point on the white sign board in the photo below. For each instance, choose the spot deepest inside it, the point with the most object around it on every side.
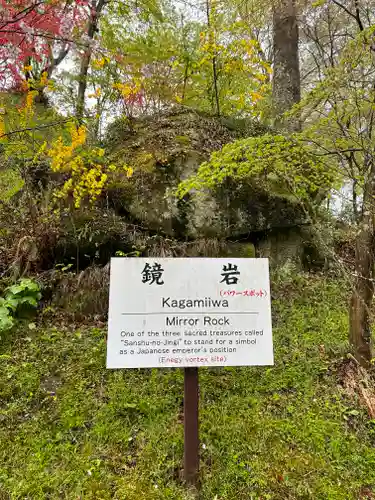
(177, 312)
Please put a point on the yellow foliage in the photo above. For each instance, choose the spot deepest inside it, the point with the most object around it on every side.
(2, 127)
(62, 156)
(128, 89)
(86, 167)
(255, 96)
(27, 110)
(25, 85)
(100, 63)
(29, 101)
(44, 79)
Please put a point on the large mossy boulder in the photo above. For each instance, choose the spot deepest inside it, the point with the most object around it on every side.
(165, 149)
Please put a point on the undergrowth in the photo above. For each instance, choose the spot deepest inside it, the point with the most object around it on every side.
(70, 429)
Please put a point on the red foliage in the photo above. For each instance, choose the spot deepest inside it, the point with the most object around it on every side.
(134, 99)
(30, 30)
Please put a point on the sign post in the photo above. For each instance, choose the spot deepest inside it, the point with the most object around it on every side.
(187, 313)
(191, 425)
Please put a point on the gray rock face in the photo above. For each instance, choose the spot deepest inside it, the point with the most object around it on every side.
(167, 149)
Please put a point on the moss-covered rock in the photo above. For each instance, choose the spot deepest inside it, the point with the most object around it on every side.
(166, 149)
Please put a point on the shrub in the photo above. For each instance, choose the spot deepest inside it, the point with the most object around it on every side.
(18, 299)
(29, 231)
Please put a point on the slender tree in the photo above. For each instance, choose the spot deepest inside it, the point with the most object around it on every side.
(96, 8)
(213, 58)
(286, 84)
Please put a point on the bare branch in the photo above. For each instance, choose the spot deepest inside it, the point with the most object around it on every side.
(358, 16)
(355, 16)
(38, 127)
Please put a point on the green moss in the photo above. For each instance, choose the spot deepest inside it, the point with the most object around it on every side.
(241, 250)
(182, 139)
(78, 430)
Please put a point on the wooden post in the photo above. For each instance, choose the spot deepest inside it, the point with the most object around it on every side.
(191, 426)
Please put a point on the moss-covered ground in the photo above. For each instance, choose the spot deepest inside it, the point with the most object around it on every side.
(70, 429)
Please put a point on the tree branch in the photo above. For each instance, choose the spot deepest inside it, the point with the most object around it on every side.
(358, 16)
(344, 8)
(355, 16)
(38, 127)
(20, 15)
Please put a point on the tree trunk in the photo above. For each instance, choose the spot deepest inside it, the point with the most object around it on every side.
(363, 291)
(286, 74)
(213, 61)
(85, 62)
(361, 301)
(355, 200)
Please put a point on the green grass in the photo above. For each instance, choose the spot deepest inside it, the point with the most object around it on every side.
(70, 429)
